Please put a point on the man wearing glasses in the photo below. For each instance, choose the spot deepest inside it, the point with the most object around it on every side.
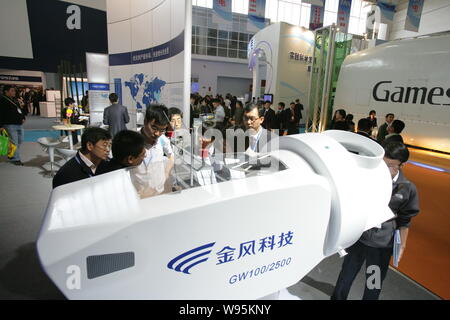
(150, 177)
(89, 160)
(258, 136)
(376, 245)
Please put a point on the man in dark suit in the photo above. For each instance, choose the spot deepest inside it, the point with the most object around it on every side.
(282, 118)
(364, 128)
(394, 131)
(115, 116)
(382, 131)
(293, 119)
(89, 161)
(269, 116)
(298, 109)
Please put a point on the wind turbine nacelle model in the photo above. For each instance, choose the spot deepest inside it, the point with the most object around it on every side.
(239, 239)
(409, 78)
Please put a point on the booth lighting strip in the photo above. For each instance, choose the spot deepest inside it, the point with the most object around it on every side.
(427, 166)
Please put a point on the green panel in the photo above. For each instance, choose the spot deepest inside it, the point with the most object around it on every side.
(342, 48)
(322, 41)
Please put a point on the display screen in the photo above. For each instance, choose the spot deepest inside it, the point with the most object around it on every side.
(268, 97)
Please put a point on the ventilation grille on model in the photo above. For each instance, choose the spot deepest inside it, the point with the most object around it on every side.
(101, 265)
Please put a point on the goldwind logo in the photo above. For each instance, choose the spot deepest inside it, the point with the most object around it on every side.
(186, 261)
(229, 254)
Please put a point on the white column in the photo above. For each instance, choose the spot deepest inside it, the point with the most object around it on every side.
(256, 81)
(187, 61)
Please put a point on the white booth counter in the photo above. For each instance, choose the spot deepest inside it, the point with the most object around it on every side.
(244, 237)
(51, 107)
(47, 109)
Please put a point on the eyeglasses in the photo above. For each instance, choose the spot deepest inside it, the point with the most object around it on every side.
(156, 129)
(251, 119)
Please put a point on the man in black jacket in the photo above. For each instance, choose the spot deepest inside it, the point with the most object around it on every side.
(11, 119)
(282, 118)
(375, 245)
(89, 161)
(394, 131)
(364, 128)
(269, 116)
(293, 118)
(128, 150)
(382, 131)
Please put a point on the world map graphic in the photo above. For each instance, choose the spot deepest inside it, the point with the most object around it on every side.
(145, 90)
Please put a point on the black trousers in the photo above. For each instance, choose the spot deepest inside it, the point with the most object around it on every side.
(357, 254)
(36, 109)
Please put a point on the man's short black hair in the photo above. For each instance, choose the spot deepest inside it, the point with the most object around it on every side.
(390, 114)
(341, 112)
(372, 112)
(173, 111)
(93, 135)
(251, 107)
(127, 143)
(396, 150)
(159, 113)
(215, 100)
(398, 126)
(268, 101)
(281, 104)
(364, 125)
(7, 87)
(113, 97)
(68, 101)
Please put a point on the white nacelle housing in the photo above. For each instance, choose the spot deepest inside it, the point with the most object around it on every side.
(410, 78)
(239, 239)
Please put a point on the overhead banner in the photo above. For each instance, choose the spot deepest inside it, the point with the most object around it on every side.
(413, 15)
(316, 17)
(222, 11)
(343, 17)
(387, 11)
(257, 13)
(18, 78)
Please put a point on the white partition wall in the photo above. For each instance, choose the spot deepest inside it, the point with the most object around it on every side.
(146, 40)
(287, 52)
(97, 67)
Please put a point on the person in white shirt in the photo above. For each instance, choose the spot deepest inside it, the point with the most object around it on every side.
(219, 111)
(150, 177)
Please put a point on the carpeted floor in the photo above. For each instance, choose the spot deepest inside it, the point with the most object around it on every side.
(427, 257)
(34, 135)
